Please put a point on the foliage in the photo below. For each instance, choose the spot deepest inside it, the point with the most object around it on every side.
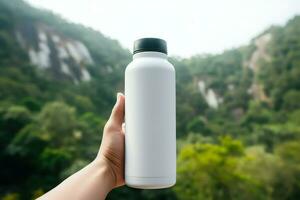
(209, 171)
(246, 149)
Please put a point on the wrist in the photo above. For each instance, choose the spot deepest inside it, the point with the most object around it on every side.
(104, 174)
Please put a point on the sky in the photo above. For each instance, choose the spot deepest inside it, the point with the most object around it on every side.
(189, 26)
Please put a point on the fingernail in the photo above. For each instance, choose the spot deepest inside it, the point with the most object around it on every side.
(118, 96)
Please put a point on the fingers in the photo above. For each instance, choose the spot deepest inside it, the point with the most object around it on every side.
(123, 128)
(117, 113)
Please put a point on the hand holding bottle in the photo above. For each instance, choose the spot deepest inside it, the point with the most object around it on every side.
(106, 172)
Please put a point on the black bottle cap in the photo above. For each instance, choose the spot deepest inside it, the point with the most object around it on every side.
(150, 44)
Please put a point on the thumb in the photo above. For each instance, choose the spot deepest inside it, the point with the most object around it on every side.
(117, 113)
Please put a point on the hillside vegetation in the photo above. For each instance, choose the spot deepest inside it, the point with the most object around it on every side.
(238, 112)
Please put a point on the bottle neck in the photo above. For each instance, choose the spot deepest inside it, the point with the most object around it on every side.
(150, 54)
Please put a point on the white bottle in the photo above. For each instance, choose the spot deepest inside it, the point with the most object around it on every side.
(150, 117)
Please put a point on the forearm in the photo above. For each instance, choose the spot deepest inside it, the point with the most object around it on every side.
(92, 182)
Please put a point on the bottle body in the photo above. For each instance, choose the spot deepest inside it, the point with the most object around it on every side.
(150, 122)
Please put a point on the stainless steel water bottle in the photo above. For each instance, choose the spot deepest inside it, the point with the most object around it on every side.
(150, 117)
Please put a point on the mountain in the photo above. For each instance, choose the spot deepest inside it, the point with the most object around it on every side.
(230, 81)
(60, 53)
(58, 82)
(64, 49)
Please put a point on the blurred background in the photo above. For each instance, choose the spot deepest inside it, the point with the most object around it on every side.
(238, 92)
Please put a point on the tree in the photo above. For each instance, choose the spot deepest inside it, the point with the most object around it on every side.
(289, 153)
(291, 100)
(57, 122)
(210, 171)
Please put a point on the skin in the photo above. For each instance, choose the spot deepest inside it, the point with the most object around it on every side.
(106, 172)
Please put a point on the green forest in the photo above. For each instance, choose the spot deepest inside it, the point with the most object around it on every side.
(244, 144)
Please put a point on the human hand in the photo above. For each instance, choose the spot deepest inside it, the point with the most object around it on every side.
(111, 151)
(106, 172)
